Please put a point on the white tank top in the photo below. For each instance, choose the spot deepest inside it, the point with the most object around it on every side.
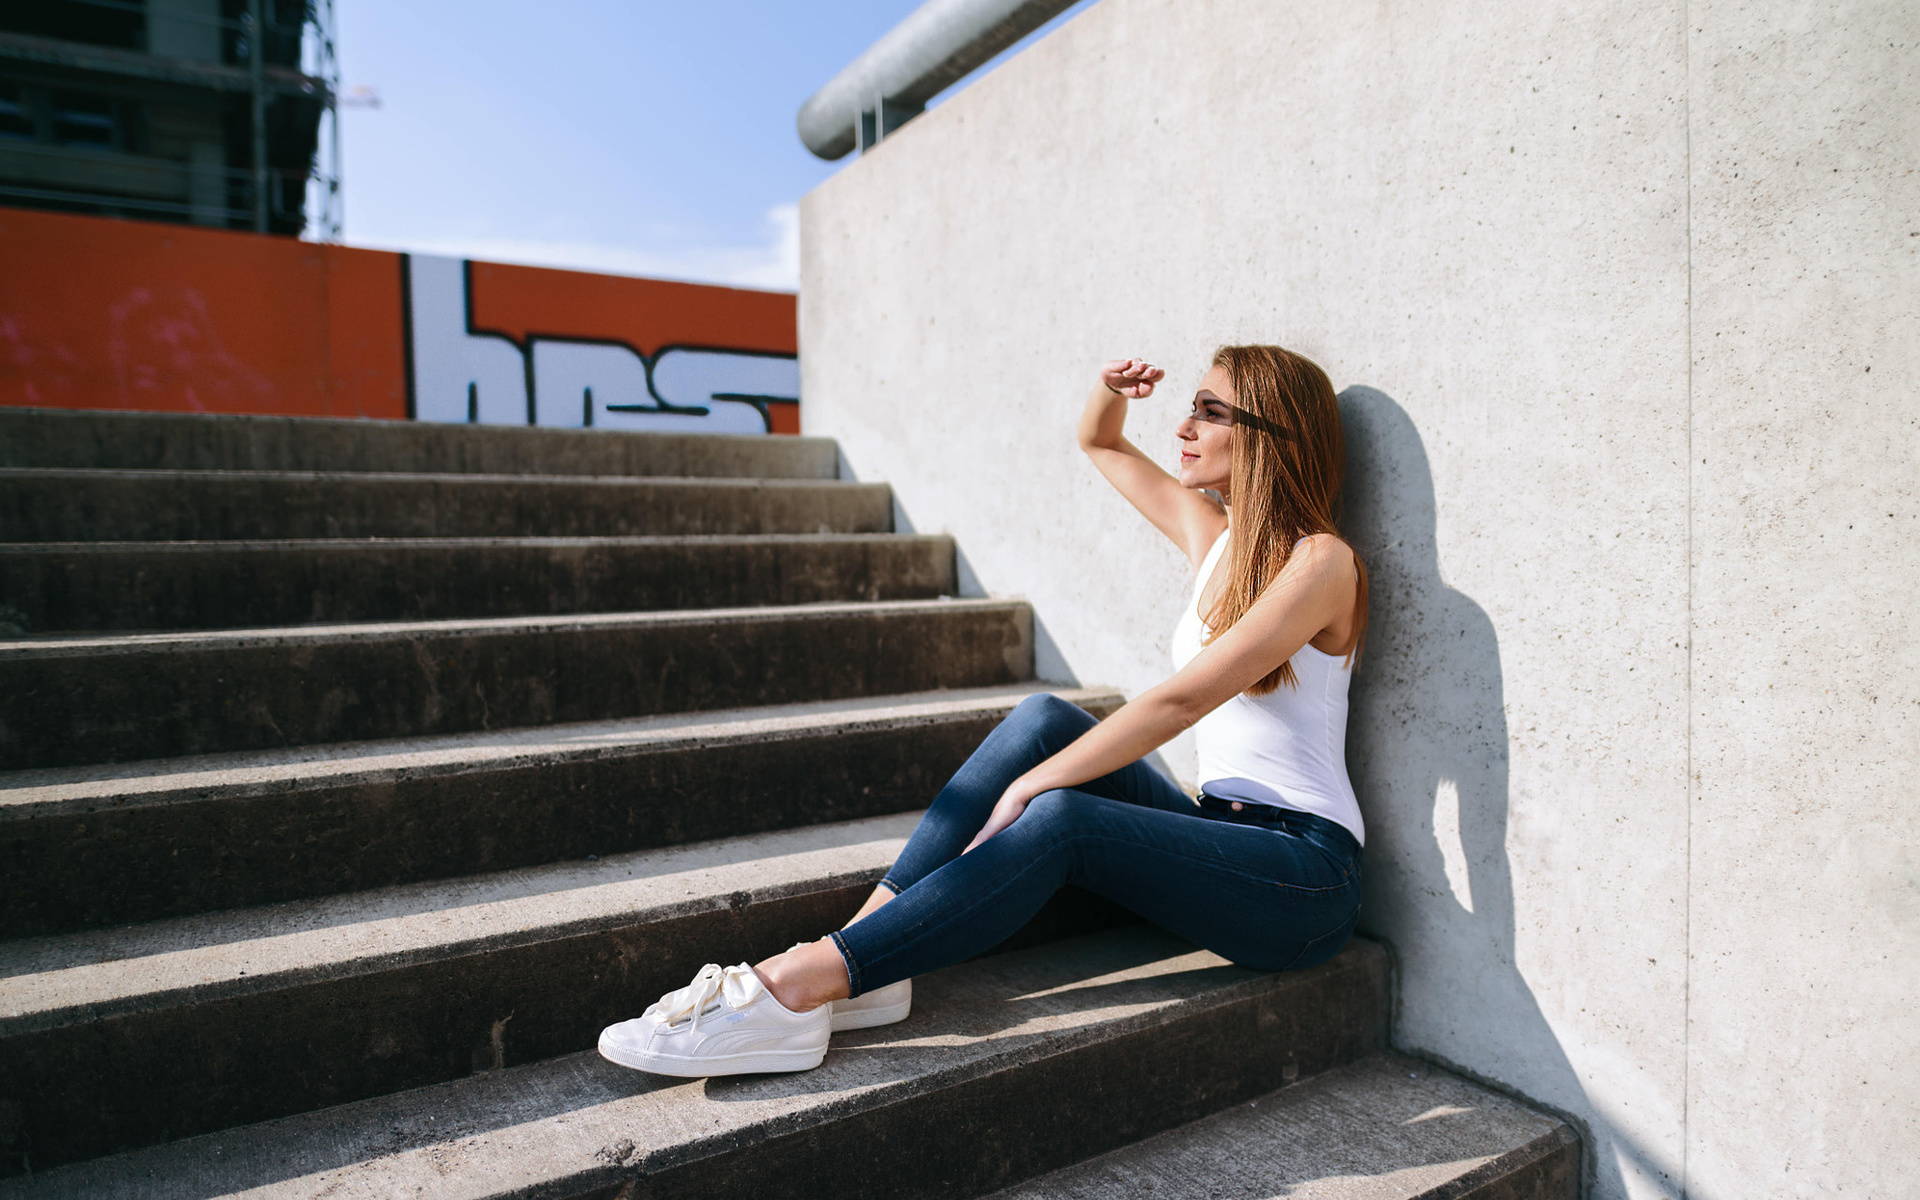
(1288, 747)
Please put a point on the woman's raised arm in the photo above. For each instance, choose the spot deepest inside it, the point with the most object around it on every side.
(1188, 519)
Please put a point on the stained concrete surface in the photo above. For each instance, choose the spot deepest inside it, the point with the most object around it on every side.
(71, 586)
(159, 1031)
(96, 787)
(68, 980)
(1385, 1128)
(76, 699)
(65, 506)
(180, 836)
(1060, 1034)
(193, 441)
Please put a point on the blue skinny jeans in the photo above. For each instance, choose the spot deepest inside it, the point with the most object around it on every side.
(1268, 897)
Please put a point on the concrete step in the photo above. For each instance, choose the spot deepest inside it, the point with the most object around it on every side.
(124, 697)
(114, 1039)
(183, 836)
(224, 585)
(1384, 1128)
(1009, 1066)
(141, 506)
(202, 442)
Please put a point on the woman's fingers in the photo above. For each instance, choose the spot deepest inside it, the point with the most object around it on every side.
(994, 825)
(1132, 377)
(1004, 814)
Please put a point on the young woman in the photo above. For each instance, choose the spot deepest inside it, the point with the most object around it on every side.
(1263, 868)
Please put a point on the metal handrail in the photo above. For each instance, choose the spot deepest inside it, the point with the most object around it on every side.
(939, 44)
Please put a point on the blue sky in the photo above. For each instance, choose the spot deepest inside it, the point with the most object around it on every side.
(642, 138)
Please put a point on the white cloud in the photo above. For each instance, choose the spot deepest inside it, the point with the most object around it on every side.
(773, 263)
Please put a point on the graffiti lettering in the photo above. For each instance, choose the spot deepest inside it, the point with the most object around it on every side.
(459, 373)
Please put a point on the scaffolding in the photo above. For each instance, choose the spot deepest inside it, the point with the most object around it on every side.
(210, 112)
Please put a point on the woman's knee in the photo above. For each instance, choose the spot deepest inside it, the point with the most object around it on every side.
(1042, 714)
(1049, 829)
(1059, 813)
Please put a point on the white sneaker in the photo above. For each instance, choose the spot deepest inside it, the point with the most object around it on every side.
(723, 1023)
(883, 1006)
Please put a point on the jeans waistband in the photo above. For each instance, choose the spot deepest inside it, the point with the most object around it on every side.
(1293, 820)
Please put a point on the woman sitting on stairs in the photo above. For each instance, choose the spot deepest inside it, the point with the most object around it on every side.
(1263, 868)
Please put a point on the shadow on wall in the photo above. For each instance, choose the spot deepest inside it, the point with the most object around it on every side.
(1427, 746)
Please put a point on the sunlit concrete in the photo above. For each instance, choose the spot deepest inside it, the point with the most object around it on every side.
(1806, 548)
(1477, 217)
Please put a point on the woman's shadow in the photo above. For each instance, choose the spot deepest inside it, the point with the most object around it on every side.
(1427, 746)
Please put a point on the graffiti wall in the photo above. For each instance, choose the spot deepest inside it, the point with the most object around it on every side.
(97, 313)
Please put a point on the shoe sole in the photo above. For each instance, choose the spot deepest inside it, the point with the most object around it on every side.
(758, 1063)
(867, 1018)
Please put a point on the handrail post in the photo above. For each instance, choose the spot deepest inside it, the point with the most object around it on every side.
(881, 116)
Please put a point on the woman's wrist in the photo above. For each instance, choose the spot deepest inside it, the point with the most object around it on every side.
(1028, 786)
(1103, 416)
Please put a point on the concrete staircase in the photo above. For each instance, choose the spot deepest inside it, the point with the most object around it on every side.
(356, 774)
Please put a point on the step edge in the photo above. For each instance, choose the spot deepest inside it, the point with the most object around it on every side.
(1304, 1105)
(1355, 959)
(1512, 1162)
(719, 541)
(31, 414)
(292, 772)
(1360, 957)
(90, 644)
(447, 478)
(866, 847)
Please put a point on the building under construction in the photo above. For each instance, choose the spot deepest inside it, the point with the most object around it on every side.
(207, 112)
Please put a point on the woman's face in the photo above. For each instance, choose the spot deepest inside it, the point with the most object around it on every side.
(1206, 435)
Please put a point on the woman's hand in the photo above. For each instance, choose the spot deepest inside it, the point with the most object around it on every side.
(1012, 803)
(1131, 377)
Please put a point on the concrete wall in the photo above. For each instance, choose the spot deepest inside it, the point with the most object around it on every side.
(1805, 705)
(1635, 730)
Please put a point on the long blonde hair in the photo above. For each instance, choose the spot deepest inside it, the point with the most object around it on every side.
(1289, 458)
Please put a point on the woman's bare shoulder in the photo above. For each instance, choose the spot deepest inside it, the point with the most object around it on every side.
(1322, 552)
(1320, 564)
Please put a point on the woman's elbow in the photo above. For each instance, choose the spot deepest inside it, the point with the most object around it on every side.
(1180, 710)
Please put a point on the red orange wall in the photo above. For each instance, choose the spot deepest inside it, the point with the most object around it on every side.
(646, 314)
(99, 313)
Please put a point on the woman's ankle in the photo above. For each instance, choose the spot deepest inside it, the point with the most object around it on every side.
(881, 895)
(804, 978)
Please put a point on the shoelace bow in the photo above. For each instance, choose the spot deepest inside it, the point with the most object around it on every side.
(737, 984)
